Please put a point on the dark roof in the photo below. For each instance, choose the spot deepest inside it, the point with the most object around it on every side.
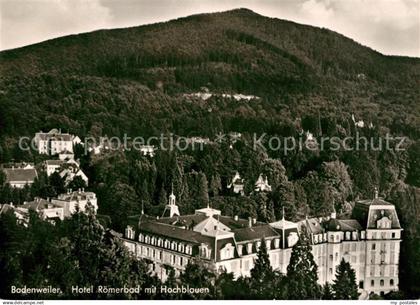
(313, 225)
(20, 174)
(192, 220)
(368, 220)
(173, 232)
(255, 232)
(344, 225)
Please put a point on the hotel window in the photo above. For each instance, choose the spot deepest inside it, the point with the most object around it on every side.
(373, 246)
(141, 237)
(391, 282)
(372, 283)
(381, 282)
(147, 239)
(240, 247)
(393, 234)
(361, 284)
(249, 248)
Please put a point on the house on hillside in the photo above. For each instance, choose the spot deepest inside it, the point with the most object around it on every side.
(53, 142)
(19, 177)
(237, 184)
(262, 184)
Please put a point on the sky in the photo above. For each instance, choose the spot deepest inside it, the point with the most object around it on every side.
(391, 27)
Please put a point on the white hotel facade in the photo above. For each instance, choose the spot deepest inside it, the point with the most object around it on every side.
(370, 242)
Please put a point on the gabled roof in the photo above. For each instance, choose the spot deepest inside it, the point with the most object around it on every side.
(212, 227)
(20, 175)
(313, 225)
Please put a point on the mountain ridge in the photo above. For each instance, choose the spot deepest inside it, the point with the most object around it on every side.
(297, 69)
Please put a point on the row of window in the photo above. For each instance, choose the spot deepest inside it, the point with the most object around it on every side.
(160, 242)
(385, 235)
(159, 255)
(382, 283)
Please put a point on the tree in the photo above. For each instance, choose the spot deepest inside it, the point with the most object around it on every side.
(197, 274)
(57, 183)
(262, 274)
(77, 183)
(345, 286)
(327, 293)
(302, 271)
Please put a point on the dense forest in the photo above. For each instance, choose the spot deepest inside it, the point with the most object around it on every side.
(136, 81)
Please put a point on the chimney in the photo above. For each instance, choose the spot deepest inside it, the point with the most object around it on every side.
(333, 215)
(254, 220)
(236, 218)
(249, 222)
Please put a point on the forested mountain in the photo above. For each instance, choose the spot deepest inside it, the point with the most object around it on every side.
(120, 75)
(139, 81)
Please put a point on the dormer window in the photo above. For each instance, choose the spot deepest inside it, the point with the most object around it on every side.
(204, 251)
(249, 248)
(240, 247)
(227, 251)
(129, 232)
(384, 223)
(181, 247)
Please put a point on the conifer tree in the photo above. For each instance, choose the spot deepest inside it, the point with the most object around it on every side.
(327, 293)
(345, 287)
(302, 274)
(262, 274)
